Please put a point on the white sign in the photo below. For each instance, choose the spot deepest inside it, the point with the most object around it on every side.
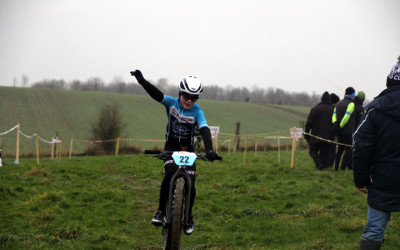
(299, 132)
(214, 131)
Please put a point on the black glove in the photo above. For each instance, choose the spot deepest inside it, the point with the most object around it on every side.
(137, 74)
(306, 136)
(212, 156)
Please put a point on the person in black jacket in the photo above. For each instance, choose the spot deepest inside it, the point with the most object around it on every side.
(343, 125)
(376, 159)
(319, 125)
(332, 151)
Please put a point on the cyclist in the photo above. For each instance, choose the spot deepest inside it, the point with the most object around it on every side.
(184, 114)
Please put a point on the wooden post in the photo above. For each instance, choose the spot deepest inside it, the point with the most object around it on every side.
(17, 149)
(70, 148)
(255, 146)
(237, 134)
(216, 142)
(279, 150)
(52, 149)
(245, 151)
(293, 146)
(117, 147)
(235, 146)
(56, 151)
(37, 150)
(59, 151)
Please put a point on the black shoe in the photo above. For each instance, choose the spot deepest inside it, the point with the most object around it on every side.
(158, 218)
(188, 229)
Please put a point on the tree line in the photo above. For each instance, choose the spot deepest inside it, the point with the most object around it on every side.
(212, 92)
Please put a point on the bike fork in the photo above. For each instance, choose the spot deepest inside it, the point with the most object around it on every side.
(188, 188)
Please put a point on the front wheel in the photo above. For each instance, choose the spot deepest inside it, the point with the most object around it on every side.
(172, 235)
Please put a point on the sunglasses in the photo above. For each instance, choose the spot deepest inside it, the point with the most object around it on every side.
(193, 98)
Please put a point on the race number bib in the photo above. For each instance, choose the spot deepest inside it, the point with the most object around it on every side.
(184, 158)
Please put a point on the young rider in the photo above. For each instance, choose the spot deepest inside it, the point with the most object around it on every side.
(184, 114)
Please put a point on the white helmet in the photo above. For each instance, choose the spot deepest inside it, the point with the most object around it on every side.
(191, 85)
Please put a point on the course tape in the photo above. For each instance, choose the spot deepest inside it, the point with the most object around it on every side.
(322, 139)
(155, 140)
(261, 134)
(31, 136)
(40, 138)
(9, 130)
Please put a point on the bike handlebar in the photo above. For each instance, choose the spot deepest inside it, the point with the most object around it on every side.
(163, 154)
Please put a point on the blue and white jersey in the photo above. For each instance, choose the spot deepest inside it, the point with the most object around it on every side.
(182, 123)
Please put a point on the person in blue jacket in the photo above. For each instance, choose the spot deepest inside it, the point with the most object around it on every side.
(376, 159)
(184, 117)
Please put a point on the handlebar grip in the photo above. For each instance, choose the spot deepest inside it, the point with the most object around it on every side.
(152, 152)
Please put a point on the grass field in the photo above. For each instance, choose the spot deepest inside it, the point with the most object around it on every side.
(70, 114)
(107, 203)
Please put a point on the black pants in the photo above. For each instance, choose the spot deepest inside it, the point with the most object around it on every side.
(170, 169)
(346, 160)
(319, 152)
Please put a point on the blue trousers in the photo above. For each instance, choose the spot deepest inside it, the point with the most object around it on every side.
(376, 225)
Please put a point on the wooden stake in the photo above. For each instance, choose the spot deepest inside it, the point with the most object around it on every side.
(245, 150)
(37, 150)
(59, 151)
(117, 147)
(293, 146)
(17, 149)
(236, 143)
(52, 149)
(70, 148)
(279, 150)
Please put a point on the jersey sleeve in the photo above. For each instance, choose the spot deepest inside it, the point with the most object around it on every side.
(168, 101)
(200, 119)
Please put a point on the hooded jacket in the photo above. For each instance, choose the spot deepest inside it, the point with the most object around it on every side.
(319, 121)
(376, 151)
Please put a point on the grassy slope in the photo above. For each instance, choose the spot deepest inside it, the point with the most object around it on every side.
(70, 115)
(107, 203)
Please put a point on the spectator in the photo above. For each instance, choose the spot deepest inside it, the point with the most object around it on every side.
(332, 148)
(359, 109)
(334, 99)
(376, 159)
(319, 124)
(343, 124)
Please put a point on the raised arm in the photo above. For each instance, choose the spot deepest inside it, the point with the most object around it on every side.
(154, 92)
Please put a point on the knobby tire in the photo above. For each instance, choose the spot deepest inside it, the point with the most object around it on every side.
(174, 233)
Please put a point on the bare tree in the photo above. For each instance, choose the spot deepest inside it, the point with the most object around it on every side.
(107, 127)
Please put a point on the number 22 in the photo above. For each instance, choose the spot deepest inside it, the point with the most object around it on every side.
(184, 159)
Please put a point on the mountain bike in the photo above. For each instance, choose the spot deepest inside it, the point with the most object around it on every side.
(179, 195)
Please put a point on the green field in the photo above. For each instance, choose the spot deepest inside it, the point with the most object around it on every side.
(70, 114)
(107, 202)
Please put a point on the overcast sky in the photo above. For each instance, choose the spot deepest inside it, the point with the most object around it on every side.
(295, 45)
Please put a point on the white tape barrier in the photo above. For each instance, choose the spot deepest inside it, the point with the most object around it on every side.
(9, 130)
(31, 136)
(43, 140)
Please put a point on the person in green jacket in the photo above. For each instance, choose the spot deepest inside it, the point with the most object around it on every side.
(343, 125)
